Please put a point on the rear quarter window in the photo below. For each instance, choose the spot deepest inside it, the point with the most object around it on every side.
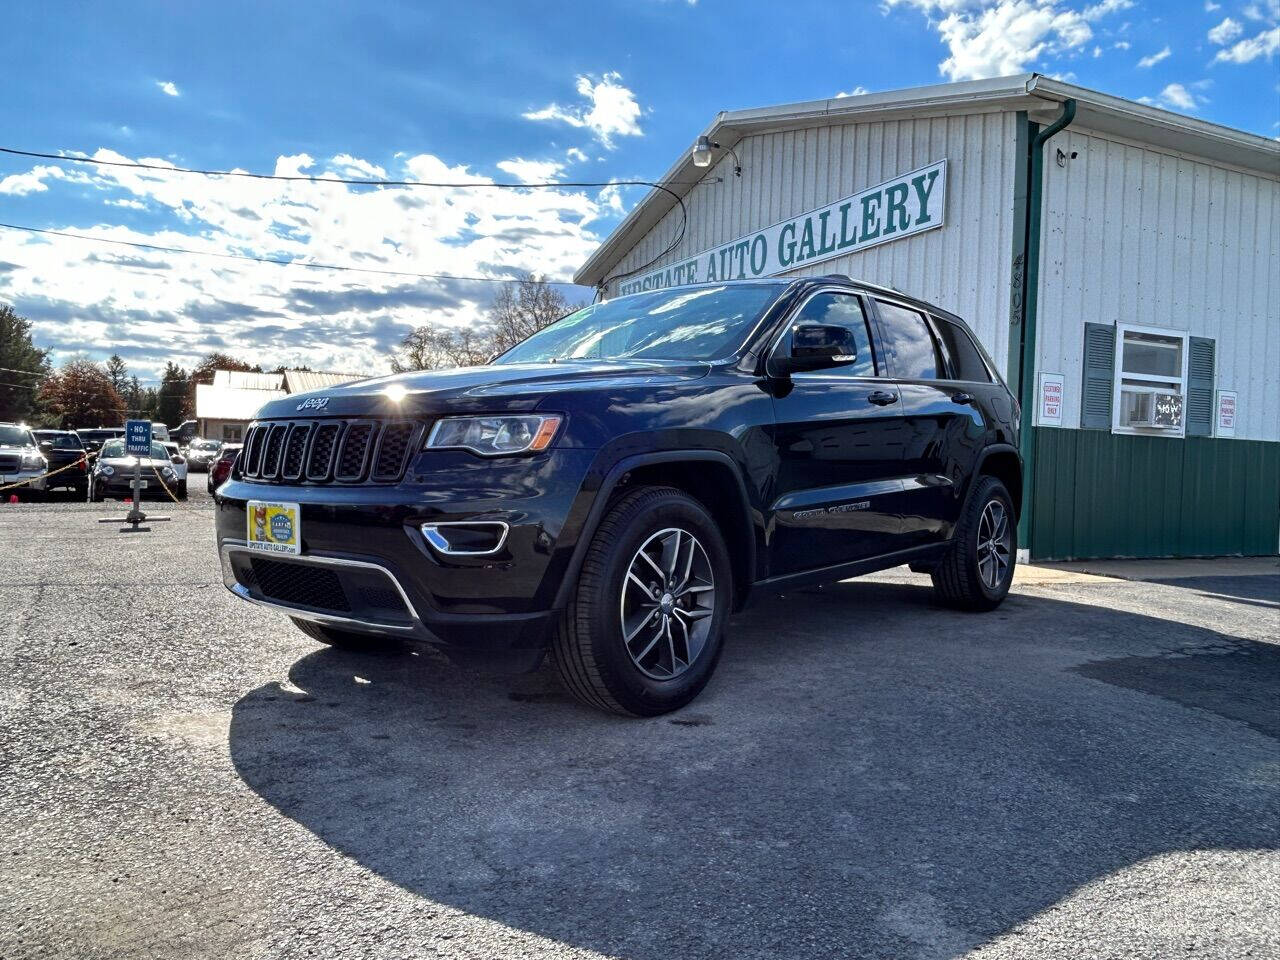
(966, 359)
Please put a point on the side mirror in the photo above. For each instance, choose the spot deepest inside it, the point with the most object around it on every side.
(815, 346)
(176, 459)
(46, 445)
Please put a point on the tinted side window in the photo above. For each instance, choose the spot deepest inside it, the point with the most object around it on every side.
(908, 343)
(842, 310)
(966, 362)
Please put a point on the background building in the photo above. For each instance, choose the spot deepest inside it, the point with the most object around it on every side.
(225, 407)
(1121, 262)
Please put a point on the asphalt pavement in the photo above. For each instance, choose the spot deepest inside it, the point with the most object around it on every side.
(1091, 771)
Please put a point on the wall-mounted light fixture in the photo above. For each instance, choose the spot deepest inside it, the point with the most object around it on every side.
(702, 154)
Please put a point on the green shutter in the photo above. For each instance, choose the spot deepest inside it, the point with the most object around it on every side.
(1099, 376)
(1200, 370)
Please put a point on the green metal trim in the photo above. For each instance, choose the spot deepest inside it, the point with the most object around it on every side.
(1024, 131)
(1027, 359)
(1102, 494)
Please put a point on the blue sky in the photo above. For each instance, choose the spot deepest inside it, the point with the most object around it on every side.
(506, 91)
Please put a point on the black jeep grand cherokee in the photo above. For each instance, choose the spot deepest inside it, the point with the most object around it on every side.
(616, 485)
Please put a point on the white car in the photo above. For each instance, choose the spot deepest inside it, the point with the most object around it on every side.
(21, 460)
(112, 474)
(202, 453)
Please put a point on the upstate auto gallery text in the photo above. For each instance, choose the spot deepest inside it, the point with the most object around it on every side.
(908, 204)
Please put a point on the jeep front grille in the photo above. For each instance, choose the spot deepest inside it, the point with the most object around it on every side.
(330, 451)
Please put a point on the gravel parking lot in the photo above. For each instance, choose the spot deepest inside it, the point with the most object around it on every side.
(1091, 771)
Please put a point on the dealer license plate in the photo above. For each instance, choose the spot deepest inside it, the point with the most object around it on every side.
(274, 527)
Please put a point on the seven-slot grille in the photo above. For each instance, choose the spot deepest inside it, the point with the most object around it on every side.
(329, 451)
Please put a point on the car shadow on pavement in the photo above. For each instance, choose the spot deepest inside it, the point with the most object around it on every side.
(867, 775)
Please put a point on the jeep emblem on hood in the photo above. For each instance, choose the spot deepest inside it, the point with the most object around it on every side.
(314, 403)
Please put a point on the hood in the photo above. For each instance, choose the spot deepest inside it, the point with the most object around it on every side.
(119, 463)
(489, 389)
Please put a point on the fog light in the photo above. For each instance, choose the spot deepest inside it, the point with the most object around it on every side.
(462, 538)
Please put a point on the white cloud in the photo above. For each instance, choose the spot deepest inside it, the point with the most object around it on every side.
(1151, 61)
(1267, 11)
(1249, 49)
(574, 155)
(168, 87)
(1122, 44)
(1174, 96)
(1225, 32)
(21, 184)
(988, 38)
(531, 171)
(153, 306)
(857, 91)
(610, 109)
(1210, 6)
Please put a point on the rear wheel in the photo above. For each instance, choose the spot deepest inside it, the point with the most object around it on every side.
(977, 570)
(182, 490)
(644, 630)
(347, 639)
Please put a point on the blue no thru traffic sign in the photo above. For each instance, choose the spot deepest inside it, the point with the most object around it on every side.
(137, 437)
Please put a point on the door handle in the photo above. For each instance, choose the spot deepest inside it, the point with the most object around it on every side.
(961, 398)
(882, 398)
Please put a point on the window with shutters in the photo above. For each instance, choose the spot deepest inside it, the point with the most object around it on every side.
(1150, 392)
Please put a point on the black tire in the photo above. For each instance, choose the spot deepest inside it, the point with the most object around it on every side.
(348, 639)
(588, 648)
(95, 495)
(182, 490)
(958, 579)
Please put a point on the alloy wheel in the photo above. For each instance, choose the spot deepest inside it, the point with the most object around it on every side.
(995, 544)
(668, 598)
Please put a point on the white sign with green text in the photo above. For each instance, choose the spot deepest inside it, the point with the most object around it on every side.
(906, 205)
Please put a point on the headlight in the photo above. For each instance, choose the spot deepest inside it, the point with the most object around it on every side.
(105, 470)
(495, 436)
(33, 461)
(167, 473)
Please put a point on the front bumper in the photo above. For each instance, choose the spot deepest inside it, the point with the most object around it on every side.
(366, 565)
(34, 479)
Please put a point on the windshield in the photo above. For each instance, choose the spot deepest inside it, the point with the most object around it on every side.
(60, 441)
(15, 437)
(209, 445)
(116, 448)
(694, 323)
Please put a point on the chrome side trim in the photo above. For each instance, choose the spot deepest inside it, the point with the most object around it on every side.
(306, 613)
(431, 533)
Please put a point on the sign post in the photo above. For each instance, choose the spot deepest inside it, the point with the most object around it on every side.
(137, 443)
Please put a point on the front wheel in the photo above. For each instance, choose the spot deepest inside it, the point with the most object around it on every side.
(644, 629)
(977, 570)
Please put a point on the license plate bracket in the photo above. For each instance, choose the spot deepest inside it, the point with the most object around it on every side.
(273, 527)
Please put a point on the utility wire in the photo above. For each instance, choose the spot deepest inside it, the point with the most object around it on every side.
(351, 181)
(472, 184)
(274, 260)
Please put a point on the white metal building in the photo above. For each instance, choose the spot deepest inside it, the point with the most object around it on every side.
(1122, 261)
(225, 407)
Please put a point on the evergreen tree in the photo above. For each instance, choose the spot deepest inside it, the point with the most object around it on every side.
(172, 404)
(26, 365)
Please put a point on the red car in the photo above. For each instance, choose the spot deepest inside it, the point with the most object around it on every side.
(220, 469)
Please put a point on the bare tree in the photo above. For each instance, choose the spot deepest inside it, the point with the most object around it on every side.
(522, 308)
(519, 310)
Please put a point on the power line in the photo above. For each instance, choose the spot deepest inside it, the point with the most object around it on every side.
(350, 181)
(273, 260)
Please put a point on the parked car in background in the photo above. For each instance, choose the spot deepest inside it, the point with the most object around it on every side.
(184, 433)
(202, 453)
(159, 431)
(112, 473)
(21, 461)
(68, 459)
(179, 464)
(94, 437)
(220, 469)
